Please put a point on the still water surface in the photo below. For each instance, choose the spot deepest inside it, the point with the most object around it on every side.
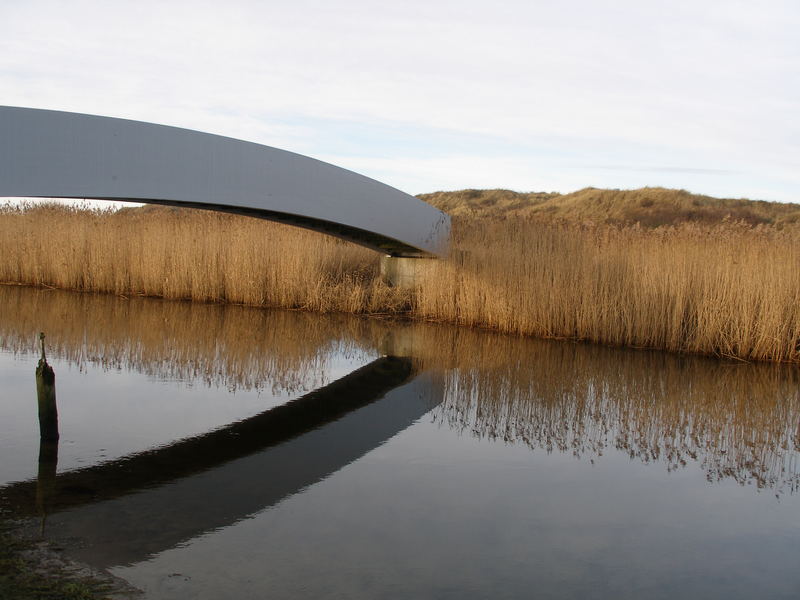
(217, 451)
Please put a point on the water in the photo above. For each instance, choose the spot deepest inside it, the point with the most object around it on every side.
(213, 451)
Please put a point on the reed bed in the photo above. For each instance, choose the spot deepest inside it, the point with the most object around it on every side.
(192, 255)
(729, 289)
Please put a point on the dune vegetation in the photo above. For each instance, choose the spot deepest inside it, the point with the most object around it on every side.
(646, 268)
(649, 207)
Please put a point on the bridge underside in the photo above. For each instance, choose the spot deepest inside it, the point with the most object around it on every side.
(50, 154)
(368, 239)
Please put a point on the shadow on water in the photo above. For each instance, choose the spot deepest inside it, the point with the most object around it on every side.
(194, 455)
(734, 421)
(128, 509)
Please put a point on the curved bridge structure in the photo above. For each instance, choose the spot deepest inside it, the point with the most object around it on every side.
(52, 154)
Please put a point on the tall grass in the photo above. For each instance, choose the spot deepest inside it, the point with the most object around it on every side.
(189, 254)
(728, 289)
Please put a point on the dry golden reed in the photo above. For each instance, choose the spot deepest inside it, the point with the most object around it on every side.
(189, 254)
(728, 289)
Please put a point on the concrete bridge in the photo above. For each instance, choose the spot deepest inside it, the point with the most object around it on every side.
(52, 154)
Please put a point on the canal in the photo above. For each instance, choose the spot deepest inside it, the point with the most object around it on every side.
(212, 451)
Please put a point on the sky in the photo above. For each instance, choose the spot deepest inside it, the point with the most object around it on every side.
(702, 95)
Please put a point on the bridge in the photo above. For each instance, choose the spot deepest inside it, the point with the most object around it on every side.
(53, 154)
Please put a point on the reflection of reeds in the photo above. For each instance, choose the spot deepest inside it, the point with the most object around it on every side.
(739, 421)
(229, 346)
(726, 289)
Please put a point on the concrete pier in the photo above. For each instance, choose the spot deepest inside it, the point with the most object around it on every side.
(404, 272)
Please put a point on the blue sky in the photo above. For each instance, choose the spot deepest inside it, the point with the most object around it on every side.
(531, 96)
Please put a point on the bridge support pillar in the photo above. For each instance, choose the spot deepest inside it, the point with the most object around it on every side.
(404, 272)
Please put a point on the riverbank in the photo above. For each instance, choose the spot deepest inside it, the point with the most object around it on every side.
(31, 569)
(698, 282)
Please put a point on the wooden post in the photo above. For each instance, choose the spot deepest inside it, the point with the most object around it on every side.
(46, 394)
(48, 434)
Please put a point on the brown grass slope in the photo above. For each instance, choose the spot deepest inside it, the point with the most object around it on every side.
(650, 207)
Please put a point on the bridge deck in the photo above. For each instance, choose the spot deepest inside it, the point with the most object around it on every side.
(51, 154)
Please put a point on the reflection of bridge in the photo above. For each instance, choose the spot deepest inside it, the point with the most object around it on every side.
(134, 507)
(52, 154)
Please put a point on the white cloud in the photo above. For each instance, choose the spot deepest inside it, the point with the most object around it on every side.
(716, 82)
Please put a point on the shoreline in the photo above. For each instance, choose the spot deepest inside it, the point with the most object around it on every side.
(726, 289)
(35, 568)
(408, 316)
